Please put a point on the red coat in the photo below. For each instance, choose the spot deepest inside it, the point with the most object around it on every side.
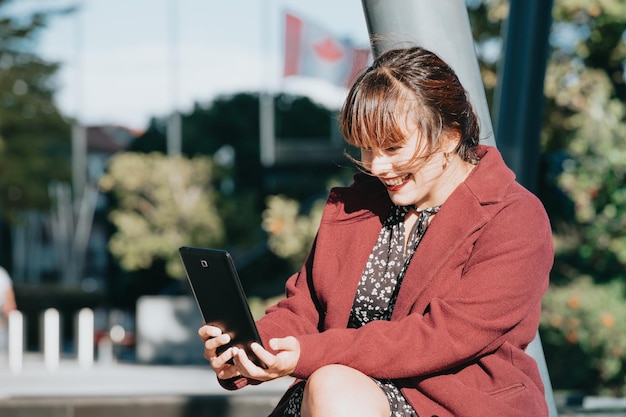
(468, 306)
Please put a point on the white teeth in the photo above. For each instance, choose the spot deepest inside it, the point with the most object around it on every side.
(395, 181)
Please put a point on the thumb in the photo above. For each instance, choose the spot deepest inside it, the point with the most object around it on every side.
(285, 343)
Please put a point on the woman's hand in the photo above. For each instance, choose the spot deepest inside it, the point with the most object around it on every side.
(282, 363)
(213, 338)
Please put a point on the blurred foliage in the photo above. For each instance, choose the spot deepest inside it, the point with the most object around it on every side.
(162, 203)
(227, 131)
(583, 138)
(290, 232)
(34, 137)
(233, 120)
(486, 18)
(590, 317)
(594, 176)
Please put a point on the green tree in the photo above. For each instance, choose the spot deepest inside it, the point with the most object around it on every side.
(291, 232)
(584, 87)
(34, 136)
(162, 203)
(229, 125)
(583, 138)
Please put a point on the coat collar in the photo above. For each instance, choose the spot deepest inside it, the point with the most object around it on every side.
(489, 181)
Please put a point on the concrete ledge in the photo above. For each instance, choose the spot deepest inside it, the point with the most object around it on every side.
(121, 380)
(164, 406)
(128, 390)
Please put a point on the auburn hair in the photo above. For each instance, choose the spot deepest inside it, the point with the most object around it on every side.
(404, 84)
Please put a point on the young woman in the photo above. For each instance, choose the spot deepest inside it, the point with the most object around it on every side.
(424, 284)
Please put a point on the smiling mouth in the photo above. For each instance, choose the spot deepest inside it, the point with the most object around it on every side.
(394, 182)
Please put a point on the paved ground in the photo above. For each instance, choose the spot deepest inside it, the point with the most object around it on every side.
(117, 380)
(122, 390)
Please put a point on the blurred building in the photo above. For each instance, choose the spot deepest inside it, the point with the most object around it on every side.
(60, 258)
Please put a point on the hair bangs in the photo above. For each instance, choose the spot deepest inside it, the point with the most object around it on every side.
(374, 116)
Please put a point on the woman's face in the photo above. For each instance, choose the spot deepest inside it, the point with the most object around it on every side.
(424, 184)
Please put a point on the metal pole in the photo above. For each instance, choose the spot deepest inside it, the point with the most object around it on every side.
(174, 121)
(79, 131)
(519, 98)
(267, 129)
(79, 159)
(440, 26)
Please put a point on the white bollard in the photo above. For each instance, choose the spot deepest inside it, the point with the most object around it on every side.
(85, 338)
(16, 341)
(51, 342)
(106, 356)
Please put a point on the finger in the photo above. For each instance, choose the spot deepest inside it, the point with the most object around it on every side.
(207, 331)
(227, 370)
(221, 361)
(247, 367)
(263, 355)
(215, 342)
(211, 345)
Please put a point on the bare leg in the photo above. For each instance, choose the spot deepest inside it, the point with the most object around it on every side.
(340, 391)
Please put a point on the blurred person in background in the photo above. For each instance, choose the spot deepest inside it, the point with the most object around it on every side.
(7, 304)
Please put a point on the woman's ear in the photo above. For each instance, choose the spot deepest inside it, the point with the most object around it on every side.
(451, 139)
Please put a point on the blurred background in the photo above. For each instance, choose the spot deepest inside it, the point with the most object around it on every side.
(128, 130)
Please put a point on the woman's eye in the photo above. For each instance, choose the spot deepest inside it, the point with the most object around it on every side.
(392, 149)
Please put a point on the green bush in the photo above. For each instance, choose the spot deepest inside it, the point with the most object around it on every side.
(586, 323)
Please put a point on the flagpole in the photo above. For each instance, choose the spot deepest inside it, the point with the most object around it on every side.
(174, 122)
(267, 134)
(79, 131)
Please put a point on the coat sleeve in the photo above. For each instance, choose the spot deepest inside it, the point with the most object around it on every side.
(298, 313)
(294, 315)
(496, 297)
(302, 311)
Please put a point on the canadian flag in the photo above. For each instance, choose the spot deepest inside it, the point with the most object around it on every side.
(312, 51)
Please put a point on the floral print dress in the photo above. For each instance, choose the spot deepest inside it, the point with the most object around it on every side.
(378, 290)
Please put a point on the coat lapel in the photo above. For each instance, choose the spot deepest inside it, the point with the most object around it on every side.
(460, 216)
(457, 220)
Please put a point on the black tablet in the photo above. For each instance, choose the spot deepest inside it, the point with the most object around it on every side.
(220, 297)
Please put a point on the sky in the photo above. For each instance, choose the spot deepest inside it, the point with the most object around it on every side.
(125, 61)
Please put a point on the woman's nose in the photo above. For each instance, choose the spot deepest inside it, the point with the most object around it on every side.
(379, 165)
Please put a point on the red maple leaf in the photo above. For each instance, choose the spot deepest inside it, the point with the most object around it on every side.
(328, 50)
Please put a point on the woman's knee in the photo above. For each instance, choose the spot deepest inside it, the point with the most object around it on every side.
(339, 390)
(329, 381)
